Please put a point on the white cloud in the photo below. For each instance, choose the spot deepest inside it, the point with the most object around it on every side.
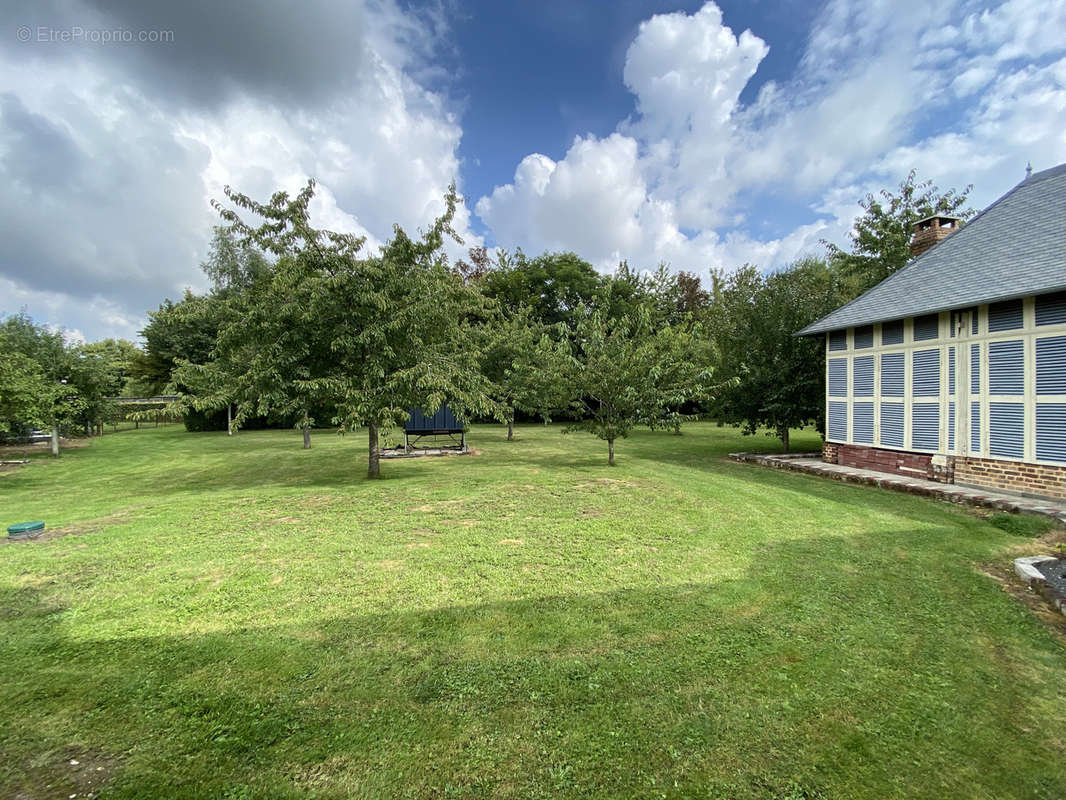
(883, 87)
(109, 157)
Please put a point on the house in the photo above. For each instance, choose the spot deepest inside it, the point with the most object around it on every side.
(954, 368)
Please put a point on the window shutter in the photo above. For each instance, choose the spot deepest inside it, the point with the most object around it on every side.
(1005, 316)
(864, 337)
(1006, 429)
(862, 376)
(975, 369)
(862, 423)
(838, 340)
(926, 373)
(927, 327)
(1051, 431)
(975, 428)
(838, 377)
(951, 370)
(1006, 367)
(951, 426)
(892, 424)
(1051, 365)
(892, 332)
(892, 375)
(1051, 309)
(838, 422)
(925, 426)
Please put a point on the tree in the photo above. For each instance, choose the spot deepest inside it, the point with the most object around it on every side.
(100, 372)
(526, 365)
(675, 296)
(26, 396)
(232, 264)
(60, 404)
(880, 238)
(269, 353)
(185, 331)
(552, 285)
(628, 373)
(781, 381)
(391, 332)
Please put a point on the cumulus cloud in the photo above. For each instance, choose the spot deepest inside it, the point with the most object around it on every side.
(883, 87)
(109, 155)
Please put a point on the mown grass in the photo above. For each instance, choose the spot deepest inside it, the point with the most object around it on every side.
(241, 618)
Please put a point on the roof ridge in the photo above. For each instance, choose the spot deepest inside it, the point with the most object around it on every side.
(909, 267)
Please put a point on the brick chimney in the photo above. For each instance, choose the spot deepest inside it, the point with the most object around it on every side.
(931, 230)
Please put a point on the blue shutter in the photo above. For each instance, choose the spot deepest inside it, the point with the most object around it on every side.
(975, 427)
(1006, 429)
(892, 332)
(862, 423)
(1051, 365)
(862, 376)
(892, 424)
(838, 340)
(951, 426)
(1005, 316)
(837, 428)
(838, 377)
(1051, 309)
(951, 370)
(927, 327)
(975, 319)
(975, 368)
(926, 373)
(1006, 367)
(1051, 431)
(864, 337)
(892, 375)
(925, 426)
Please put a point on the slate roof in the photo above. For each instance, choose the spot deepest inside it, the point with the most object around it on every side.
(1014, 248)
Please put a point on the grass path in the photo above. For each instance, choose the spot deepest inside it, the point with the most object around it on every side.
(241, 618)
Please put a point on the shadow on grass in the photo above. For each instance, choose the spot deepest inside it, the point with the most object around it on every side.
(835, 666)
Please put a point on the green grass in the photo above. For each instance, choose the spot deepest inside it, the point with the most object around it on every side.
(233, 618)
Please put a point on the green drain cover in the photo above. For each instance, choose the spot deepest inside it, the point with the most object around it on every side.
(24, 529)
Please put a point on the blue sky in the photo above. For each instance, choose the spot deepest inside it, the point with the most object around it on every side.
(702, 135)
(535, 75)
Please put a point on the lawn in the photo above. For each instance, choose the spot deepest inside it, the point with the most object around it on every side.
(238, 617)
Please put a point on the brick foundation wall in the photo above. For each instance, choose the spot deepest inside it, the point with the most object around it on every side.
(913, 465)
(829, 452)
(1040, 480)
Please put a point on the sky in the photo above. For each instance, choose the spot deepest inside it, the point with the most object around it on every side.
(702, 135)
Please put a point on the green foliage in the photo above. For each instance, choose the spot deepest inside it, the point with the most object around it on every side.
(177, 332)
(627, 374)
(25, 393)
(527, 363)
(881, 236)
(781, 377)
(370, 337)
(552, 285)
(68, 385)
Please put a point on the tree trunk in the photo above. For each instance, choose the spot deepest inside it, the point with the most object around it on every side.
(510, 427)
(229, 419)
(374, 470)
(610, 452)
(783, 434)
(55, 439)
(307, 434)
